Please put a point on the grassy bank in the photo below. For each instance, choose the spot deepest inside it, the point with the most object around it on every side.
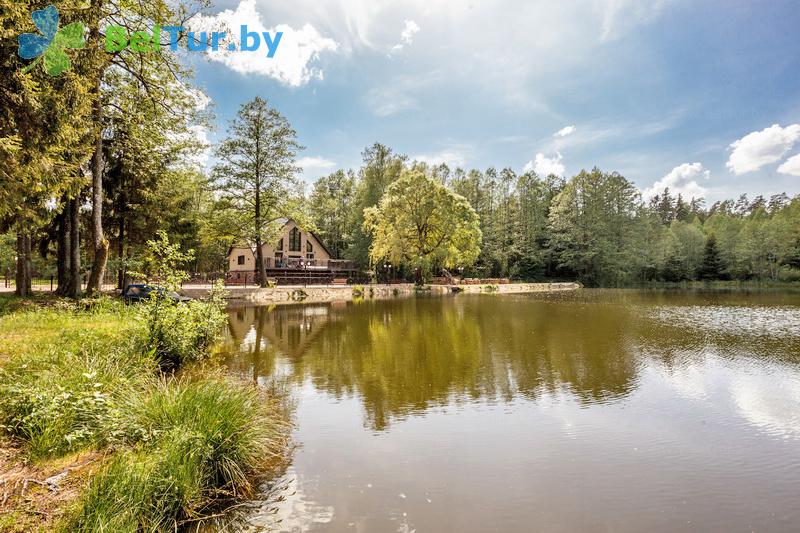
(87, 378)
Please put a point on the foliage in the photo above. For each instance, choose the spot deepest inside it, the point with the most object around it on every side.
(593, 227)
(255, 176)
(331, 207)
(178, 331)
(203, 441)
(420, 222)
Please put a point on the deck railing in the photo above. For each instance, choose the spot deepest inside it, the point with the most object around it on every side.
(295, 263)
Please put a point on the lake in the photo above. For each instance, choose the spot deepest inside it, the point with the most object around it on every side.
(596, 410)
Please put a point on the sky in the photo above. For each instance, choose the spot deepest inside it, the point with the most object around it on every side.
(700, 96)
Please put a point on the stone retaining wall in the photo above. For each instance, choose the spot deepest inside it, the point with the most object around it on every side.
(334, 293)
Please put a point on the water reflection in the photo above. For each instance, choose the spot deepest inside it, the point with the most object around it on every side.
(598, 410)
(406, 356)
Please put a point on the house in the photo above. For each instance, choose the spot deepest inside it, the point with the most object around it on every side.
(299, 256)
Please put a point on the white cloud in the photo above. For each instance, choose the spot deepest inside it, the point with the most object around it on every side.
(297, 52)
(681, 180)
(311, 165)
(475, 54)
(791, 166)
(761, 148)
(544, 166)
(410, 29)
(563, 132)
(452, 158)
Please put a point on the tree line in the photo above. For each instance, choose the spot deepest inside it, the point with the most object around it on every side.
(594, 226)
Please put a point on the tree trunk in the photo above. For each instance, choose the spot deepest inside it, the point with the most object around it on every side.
(63, 257)
(121, 250)
(74, 275)
(261, 267)
(23, 275)
(99, 242)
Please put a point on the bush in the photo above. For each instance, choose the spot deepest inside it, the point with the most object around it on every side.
(788, 274)
(204, 442)
(181, 332)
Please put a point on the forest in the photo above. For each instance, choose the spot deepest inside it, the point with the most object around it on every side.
(96, 161)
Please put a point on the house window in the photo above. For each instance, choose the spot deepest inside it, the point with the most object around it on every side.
(309, 247)
(294, 240)
(240, 260)
(310, 256)
(280, 244)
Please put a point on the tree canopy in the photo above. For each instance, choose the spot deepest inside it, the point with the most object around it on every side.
(420, 222)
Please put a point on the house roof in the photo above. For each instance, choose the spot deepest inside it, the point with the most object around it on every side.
(283, 221)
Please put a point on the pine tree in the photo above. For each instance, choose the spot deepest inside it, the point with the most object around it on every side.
(712, 267)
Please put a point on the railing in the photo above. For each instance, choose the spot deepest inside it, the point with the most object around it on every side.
(297, 263)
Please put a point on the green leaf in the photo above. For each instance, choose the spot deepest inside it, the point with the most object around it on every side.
(71, 36)
(56, 61)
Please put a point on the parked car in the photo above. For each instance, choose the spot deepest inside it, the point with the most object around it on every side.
(138, 292)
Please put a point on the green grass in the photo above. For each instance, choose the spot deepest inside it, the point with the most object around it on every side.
(203, 443)
(80, 376)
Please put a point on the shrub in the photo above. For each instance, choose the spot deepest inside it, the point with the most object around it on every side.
(181, 332)
(204, 442)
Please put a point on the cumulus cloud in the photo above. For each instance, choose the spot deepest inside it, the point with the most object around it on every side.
(761, 148)
(293, 64)
(681, 180)
(452, 158)
(313, 166)
(410, 29)
(563, 132)
(791, 166)
(544, 166)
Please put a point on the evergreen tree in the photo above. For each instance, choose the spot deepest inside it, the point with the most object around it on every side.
(712, 267)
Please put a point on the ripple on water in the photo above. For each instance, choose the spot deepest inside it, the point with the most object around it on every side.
(755, 321)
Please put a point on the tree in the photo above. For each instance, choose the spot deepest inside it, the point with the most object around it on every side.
(330, 205)
(256, 174)
(43, 139)
(712, 267)
(420, 223)
(156, 76)
(595, 224)
(381, 167)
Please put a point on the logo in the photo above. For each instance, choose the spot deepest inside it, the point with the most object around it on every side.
(49, 47)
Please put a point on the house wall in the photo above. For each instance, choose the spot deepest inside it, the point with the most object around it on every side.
(270, 249)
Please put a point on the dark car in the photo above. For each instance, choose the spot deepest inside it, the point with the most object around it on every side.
(141, 292)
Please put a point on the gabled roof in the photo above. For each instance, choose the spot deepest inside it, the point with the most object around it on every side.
(283, 221)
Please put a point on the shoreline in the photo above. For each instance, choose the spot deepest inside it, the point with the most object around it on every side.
(292, 294)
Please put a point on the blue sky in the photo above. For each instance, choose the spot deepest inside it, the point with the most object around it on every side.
(703, 96)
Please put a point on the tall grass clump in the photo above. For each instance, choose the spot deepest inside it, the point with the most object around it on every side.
(203, 442)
